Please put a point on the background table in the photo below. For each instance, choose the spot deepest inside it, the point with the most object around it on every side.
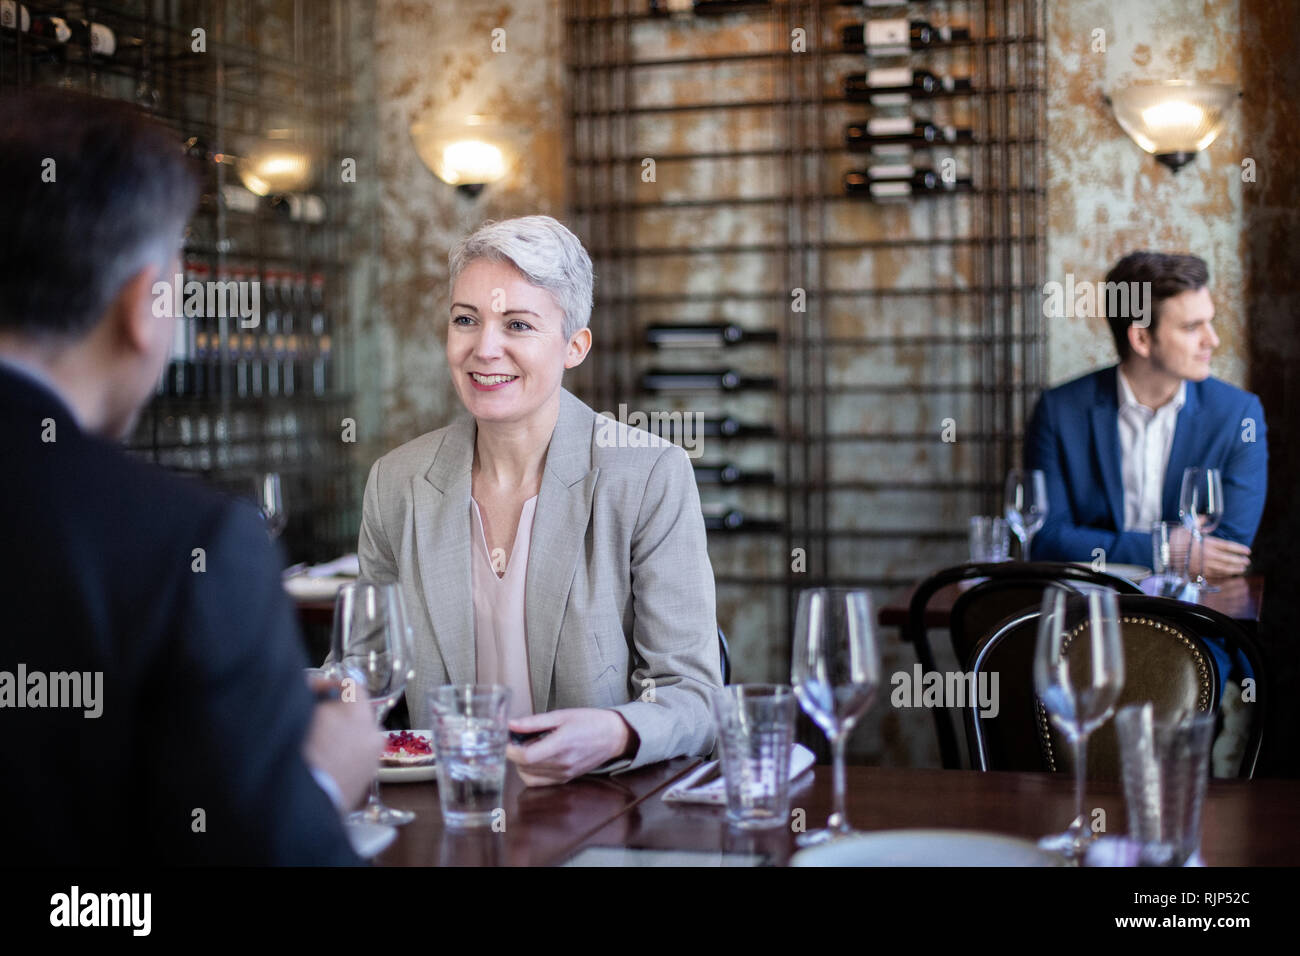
(1245, 822)
(1241, 598)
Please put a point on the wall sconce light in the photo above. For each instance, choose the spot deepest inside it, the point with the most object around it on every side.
(467, 155)
(1175, 119)
(276, 165)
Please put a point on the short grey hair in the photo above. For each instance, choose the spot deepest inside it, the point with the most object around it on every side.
(549, 256)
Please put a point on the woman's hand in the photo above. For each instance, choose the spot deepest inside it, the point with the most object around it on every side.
(578, 741)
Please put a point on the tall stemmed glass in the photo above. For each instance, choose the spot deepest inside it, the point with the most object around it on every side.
(1078, 674)
(270, 502)
(1025, 505)
(836, 673)
(1200, 506)
(372, 639)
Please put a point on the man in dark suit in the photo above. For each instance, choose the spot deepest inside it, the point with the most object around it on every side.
(153, 706)
(1113, 444)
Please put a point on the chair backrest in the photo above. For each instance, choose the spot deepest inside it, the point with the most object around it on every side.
(724, 654)
(1166, 662)
(1008, 583)
(978, 612)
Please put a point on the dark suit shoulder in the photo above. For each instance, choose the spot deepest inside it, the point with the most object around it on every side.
(1215, 391)
(1085, 388)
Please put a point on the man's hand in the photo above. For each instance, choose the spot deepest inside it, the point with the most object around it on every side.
(579, 740)
(1223, 558)
(343, 742)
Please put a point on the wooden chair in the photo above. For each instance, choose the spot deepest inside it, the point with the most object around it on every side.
(1166, 662)
(974, 614)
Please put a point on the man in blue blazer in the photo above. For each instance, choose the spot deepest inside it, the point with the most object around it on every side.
(1113, 444)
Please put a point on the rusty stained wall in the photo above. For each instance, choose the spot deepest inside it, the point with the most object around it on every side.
(1107, 197)
(434, 61)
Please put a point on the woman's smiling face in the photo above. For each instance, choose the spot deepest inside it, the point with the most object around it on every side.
(505, 342)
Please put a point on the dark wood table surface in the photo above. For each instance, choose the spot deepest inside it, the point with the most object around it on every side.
(1244, 823)
(1240, 598)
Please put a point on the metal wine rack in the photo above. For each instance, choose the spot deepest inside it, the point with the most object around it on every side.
(226, 74)
(706, 163)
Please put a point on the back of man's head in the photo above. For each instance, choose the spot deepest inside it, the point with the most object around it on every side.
(1159, 276)
(91, 192)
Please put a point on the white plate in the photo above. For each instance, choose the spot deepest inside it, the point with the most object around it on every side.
(303, 588)
(407, 774)
(369, 839)
(412, 774)
(1133, 572)
(926, 848)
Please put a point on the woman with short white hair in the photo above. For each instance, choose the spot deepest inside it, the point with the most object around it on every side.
(571, 570)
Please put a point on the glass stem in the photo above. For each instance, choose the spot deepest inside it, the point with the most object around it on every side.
(1024, 546)
(1080, 781)
(373, 801)
(839, 821)
(1197, 544)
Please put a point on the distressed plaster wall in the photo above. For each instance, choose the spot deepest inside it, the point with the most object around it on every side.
(1107, 197)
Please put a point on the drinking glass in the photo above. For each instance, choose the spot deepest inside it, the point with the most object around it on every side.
(1200, 506)
(1166, 769)
(990, 540)
(755, 733)
(270, 501)
(371, 637)
(836, 673)
(470, 733)
(1078, 674)
(1025, 505)
(1167, 559)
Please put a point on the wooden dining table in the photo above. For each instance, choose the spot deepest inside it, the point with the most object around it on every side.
(1244, 822)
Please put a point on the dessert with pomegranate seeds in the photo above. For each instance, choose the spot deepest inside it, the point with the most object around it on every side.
(407, 748)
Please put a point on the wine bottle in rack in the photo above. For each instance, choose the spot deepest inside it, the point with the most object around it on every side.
(198, 272)
(727, 426)
(902, 131)
(95, 37)
(705, 380)
(15, 16)
(295, 325)
(319, 348)
(664, 8)
(901, 181)
(897, 36)
(705, 336)
(272, 319)
(729, 474)
(898, 86)
(54, 29)
(711, 7)
(723, 517)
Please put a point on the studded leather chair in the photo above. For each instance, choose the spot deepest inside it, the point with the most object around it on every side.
(1008, 586)
(1165, 662)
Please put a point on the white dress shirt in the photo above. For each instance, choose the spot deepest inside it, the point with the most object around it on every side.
(1145, 440)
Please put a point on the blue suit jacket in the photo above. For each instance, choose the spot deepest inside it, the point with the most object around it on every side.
(1074, 438)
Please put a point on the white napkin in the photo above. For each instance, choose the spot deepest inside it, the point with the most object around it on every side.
(715, 791)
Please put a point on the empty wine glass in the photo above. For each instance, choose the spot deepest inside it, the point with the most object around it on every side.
(1078, 674)
(270, 501)
(836, 673)
(371, 635)
(1025, 505)
(1200, 506)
